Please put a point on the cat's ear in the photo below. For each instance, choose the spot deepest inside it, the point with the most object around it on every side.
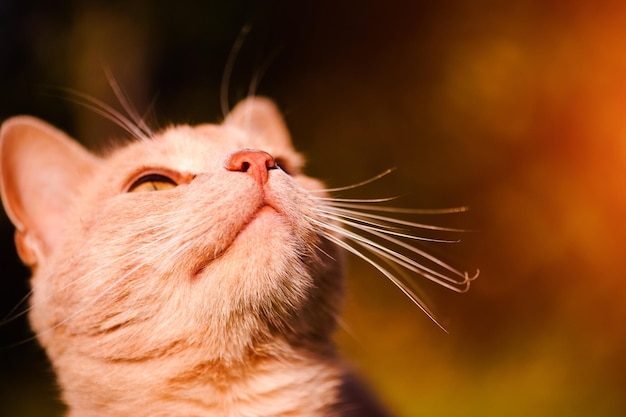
(260, 116)
(40, 169)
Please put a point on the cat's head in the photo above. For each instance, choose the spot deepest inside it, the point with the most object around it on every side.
(198, 236)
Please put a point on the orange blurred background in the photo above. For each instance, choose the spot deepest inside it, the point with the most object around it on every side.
(516, 109)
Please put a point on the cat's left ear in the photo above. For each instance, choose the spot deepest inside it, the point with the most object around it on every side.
(40, 171)
(260, 116)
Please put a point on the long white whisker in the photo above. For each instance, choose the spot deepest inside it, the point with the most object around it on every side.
(398, 283)
(260, 73)
(379, 227)
(370, 205)
(408, 263)
(358, 184)
(107, 112)
(319, 249)
(13, 314)
(413, 266)
(126, 104)
(228, 69)
(466, 277)
(332, 200)
(362, 215)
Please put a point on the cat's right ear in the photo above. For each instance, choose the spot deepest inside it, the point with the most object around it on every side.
(40, 170)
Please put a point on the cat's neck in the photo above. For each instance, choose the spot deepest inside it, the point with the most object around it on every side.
(276, 380)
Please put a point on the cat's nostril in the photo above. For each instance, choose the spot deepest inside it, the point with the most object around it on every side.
(253, 162)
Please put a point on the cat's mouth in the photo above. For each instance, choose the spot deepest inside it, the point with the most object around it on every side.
(265, 210)
(252, 231)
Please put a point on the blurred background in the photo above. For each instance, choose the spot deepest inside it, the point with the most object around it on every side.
(516, 109)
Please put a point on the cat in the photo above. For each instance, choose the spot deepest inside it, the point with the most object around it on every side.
(195, 271)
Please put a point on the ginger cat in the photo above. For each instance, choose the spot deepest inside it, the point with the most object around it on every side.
(196, 271)
(182, 274)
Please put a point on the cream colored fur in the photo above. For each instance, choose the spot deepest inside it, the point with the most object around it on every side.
(182, 302)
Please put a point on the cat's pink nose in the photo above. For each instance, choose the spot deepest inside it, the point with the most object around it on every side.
(253, 162)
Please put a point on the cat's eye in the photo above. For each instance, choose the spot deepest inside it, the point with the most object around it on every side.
(284, 165)
(152, 182)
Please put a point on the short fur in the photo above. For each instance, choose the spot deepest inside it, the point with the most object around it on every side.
(217, 297)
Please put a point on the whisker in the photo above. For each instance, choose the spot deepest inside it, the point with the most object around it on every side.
(349, 203)
(339, 211)
(444, 280)
(319, 249)
(260, 71)
(13, 315)
(466, 277)
(414, 266)
(360, 220)
(228, 69)
(107, 112)
(379, 227)
(358, 184)
(398, 283)
(126, 103)
(332, 200)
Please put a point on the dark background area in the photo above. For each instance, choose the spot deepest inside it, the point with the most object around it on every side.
(516, 109)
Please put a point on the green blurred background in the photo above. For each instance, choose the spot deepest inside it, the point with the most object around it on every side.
(517, 109)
